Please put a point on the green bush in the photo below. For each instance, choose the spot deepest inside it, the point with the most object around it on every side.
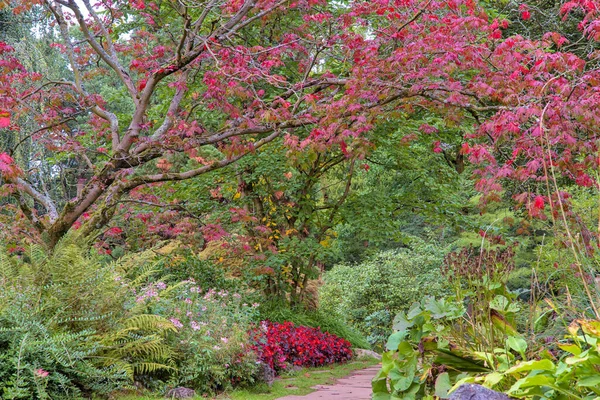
(68, 327)
(369, 294)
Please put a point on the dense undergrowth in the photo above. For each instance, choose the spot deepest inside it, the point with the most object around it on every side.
(73, 325)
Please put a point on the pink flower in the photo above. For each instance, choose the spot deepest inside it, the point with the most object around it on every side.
(40, 373)
(224, 340)
(176, 323)
(161, 285)
(195, 325)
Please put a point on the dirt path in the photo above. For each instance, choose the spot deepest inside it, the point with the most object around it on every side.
(356, 386)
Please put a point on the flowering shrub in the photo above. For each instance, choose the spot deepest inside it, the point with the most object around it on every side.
(212, 340)
(280, 345)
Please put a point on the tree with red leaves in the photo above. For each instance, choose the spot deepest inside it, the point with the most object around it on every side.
(209, 82)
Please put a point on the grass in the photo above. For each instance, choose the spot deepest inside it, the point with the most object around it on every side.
(300, 383)
(296, 383)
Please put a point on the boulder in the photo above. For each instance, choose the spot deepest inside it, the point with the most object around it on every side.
(469, 391)
(180, 393)
(362, 353)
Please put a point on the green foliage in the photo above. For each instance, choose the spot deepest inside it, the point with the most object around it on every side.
(68, 327)
(203, 272)
(369, 294)
(484, 334)
(211, 345)
(441, 335)
(409, 191)
(574, 375)
(327, 322)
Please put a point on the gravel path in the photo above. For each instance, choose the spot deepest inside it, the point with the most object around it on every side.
(356, 386)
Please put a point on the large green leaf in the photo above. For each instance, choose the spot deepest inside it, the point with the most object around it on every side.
(394, 340)
(442, 385)
(458, 362)
(534, 365)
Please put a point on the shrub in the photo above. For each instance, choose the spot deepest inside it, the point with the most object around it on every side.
(369, 294)
(326, 322)
(281, 345)
(211, 347)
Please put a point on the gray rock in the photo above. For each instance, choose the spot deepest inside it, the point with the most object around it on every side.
(362, 353)
(470, 391)
(180, 393)
(266, 373)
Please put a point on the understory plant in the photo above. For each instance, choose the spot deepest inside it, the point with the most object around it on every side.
(571, 375)
(67, 327)
(276, 311)
(368, 295)
(281, 346)
(211, 343)
(474, 336)
(439, 341)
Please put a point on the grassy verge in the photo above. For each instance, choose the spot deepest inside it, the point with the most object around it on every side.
(296, 383)
(299, 383)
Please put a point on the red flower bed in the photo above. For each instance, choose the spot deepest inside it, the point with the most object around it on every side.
(279, 345)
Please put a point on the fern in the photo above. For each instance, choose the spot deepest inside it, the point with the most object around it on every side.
(70, 315)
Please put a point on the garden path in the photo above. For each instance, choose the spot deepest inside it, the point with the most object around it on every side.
(356, 386)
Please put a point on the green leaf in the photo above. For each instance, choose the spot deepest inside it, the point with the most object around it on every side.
(440, 308)
(381, 396)
(442, 385)
(589, 381)
(534, 365)
(493, 379)
(394, 340)
(401, 323)
(518, 344)
(458, 362)
(531, 380)
(571, 348)
(576, 360)
(502, 304)
(379, 385)
(402, 379)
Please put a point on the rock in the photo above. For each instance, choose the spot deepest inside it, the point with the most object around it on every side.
(470, 391)
(363, 353)
(180, 393)
(266, 373)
